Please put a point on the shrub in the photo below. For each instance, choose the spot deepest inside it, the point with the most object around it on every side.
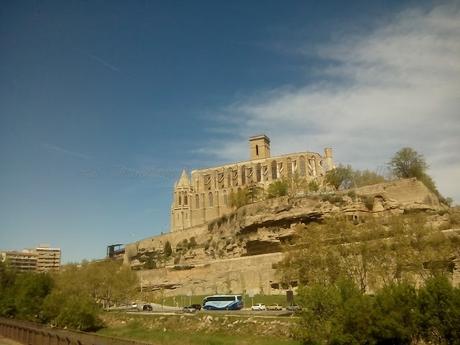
(339, 177)
(313, 186)
(277, 189)
(167, 249)
(333, 199)
(395, 315)
(72, 311)
(192, 242)
(239, 198)
(352, 195)
(30, 290)
(368, 202)
(439, 306)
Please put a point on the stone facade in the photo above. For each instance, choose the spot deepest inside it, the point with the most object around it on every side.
(205, 196)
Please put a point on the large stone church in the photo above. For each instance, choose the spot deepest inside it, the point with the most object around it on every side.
(204, 195)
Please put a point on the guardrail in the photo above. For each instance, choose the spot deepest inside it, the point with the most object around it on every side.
(29, 333)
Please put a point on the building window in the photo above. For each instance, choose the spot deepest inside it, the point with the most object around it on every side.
(210, 201)
(197, 201)
(185, 200)
(257, 150)
(180, 199)
(302, 165)
(274, 170)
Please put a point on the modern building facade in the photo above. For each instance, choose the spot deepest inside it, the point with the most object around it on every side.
(48, 259)
(22, 261)
(40, 259)
(204, 195)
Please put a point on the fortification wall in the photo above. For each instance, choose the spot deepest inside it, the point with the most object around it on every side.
(236, 275)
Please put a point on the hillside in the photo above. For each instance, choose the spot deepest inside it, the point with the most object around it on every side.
(239, 252)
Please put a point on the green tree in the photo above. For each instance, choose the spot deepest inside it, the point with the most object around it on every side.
(277, 188)
(339, 177)
(30, 291)
(167, 249)
(75, 309)
(192, 243)
(370, 252)
(334, 314)
(7, 291)
(313, 186)
(408, 163)
(395, 315)
(366, 177)
(239, 198)
(253, 192)
(439, 307)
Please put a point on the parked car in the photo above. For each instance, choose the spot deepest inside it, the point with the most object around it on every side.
(147, 307)
(196, 306)
(258, 307)
(274, 307)
(294, 308)
(189, 309)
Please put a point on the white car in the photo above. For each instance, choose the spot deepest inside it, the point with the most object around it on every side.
(259, 307)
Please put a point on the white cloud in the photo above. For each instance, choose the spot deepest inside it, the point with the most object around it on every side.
(396, 86)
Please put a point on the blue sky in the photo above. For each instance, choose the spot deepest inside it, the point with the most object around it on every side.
(102, 103)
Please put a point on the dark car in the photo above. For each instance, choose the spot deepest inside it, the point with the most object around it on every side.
(147, 307)
(196, 306)
(189, 309)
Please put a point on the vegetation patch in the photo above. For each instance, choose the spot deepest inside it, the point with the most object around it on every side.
(199, 328)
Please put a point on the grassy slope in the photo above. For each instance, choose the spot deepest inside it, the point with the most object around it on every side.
(136, 331)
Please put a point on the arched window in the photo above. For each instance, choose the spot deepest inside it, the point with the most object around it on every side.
(274, 171)
(210, 201)
(302, 165)
(225, 198)
(197, 201)
(257, 150)
(229, 177)
(258, 172)
(185, 200)
(180, 199)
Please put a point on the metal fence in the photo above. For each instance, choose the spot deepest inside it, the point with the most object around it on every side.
(29, 333)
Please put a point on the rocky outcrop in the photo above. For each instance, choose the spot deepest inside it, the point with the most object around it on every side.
(254, 236)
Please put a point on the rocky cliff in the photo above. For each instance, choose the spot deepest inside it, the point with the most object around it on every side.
(238, 252)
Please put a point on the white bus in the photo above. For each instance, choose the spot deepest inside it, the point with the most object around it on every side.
(223, 302)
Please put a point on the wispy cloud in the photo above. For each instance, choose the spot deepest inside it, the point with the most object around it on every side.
(396, 86)
(65, 151)
(99, 60)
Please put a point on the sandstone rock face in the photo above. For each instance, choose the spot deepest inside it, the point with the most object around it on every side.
(238, 252)
(236, 275)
